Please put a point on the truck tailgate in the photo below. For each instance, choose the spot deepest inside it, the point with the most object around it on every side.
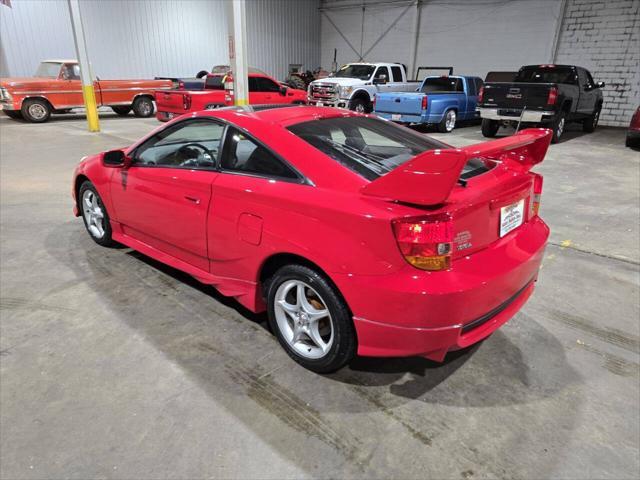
(516, 95)
(172, 101)
(407, 103)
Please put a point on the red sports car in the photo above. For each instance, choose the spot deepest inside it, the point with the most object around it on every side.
(355, 234)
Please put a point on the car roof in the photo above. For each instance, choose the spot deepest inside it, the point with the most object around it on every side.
(282, 115)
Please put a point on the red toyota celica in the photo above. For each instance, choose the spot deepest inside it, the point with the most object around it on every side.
(356, 235)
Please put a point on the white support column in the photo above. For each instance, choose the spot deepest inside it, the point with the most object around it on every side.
(236, 19)
(86, 76)
(413, 68)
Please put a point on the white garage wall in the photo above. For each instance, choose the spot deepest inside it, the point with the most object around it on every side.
(147, 38)
(474, 36)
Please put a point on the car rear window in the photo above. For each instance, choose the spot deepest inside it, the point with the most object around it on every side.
(543, 74)
(442, 84)
(367, 146)
(214, 82)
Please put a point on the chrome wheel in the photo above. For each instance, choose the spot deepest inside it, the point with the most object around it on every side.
(93, 214)
(450, 122)
(146, 108)
(596, 118)
(360, 108)
(560, 127)
(37, 111)
(303, 319)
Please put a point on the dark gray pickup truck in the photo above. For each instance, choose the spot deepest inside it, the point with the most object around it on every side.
(545, 95)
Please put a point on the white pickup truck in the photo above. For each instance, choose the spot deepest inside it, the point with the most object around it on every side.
(355, 85)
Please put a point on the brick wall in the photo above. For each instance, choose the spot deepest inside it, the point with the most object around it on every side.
(604, 37)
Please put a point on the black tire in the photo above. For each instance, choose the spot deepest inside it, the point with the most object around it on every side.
(589, 124)
(442, 126)
(360, 105)
(344, 345)
(489, 127)
(558, 126)
(122, 110)
(36, 110)
(15, 114)
(63, 111)
(143, 107)
(105, 240)
(202, 74)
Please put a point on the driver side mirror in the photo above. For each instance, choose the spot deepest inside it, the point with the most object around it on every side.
(381, 80)
(283, 90)
(116, 159)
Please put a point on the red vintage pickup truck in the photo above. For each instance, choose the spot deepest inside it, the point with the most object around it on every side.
(218, 93)
(56, 88)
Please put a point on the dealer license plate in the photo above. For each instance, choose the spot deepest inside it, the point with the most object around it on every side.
(511, 217)
(396, 117)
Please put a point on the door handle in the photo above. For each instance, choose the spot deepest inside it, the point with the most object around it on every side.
(192, 199)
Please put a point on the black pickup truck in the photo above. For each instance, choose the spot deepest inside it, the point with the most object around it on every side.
(545, 95)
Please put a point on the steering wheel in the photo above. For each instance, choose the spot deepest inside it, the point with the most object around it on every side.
(195, 155)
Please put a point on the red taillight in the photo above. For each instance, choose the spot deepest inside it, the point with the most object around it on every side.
(480, 94)
(186, 101)
(425, 102)
(537, 194)
(553, 96)
(181, 85)
(425, 242)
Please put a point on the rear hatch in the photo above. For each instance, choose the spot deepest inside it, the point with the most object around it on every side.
(517, 95)
(405, 103)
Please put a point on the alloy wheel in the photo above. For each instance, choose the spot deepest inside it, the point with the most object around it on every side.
(93, 214)
(303, 319)
(37, 111)
(450, 122)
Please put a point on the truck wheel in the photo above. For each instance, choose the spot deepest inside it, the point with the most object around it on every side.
(122, 110)
(448, 122)
(202, 74)
(143, 107)
(558, 127)
(36, 110)
(489, 128)
(589, 124)
(15, 114)
(360, 105)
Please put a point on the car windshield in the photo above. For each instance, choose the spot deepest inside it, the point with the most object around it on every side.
(368, 146)
(546, 75)
(48, 70)
(363, 72)
(441, 84)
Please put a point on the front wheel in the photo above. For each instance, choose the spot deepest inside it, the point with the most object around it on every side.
(310, 319)
(143, 107)
(94, 215)
(360, 105)
(36, 110)
(489, 128)
(589, 124)
(448, 122)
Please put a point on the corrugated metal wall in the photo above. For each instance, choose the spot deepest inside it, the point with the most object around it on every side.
(147, 38)
(473, 36)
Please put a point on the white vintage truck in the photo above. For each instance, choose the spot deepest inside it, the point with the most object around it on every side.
(355, 85)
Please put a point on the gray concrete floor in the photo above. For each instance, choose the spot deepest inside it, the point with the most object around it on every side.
(114, 366)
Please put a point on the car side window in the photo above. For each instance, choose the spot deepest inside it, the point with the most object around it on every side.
(253, 84)
(397, 74)
(242, 154)
(190, 144)
(383, 71)
(267, 85)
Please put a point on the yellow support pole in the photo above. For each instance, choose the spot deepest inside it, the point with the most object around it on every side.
(88, 92)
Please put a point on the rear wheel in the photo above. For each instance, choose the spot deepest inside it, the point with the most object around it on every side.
(94, 215)
(558, 127)
(448, 122)
(36, 110)
(143, 107)
(589, 124)
(15, 114)
(122, 110)
(310, 319)
(489, 128)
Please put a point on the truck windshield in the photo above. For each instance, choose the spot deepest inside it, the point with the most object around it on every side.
(540, 74)
(48, 70)
(441, 84)
(368, 146)
(363, 72)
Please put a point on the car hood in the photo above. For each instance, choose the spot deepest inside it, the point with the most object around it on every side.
(340, 81)
(28, 82)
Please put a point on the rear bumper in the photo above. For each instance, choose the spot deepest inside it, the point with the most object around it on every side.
(407, 118)
(532, 116)
(412, 312)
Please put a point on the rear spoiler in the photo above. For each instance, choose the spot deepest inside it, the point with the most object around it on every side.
(428, 178)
